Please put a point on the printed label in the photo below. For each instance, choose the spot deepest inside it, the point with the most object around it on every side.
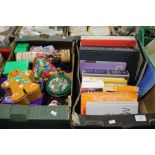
(140, 118)
(112, 122)
(54, 113)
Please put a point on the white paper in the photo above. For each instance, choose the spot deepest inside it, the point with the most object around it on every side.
(105, 108)
(93, 84)
(54, 113)
(140, 118)
(112, 122)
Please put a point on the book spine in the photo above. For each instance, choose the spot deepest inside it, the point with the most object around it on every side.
(105, 79)
(100, 72)
(83, 90)
(106, 65)
(103, 48)
(133, 89)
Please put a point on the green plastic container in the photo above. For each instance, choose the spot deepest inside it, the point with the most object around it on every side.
(22, 47)
(15, 65)
(145, 39)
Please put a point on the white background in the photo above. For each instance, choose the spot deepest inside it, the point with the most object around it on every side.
(77, 13)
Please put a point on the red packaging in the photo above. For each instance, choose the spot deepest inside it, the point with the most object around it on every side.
(108, 41)
(5, 52)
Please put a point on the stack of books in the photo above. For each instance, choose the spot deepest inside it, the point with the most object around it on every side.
(105, 85)
(111, 48)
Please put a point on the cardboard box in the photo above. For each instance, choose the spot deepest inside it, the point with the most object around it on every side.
(24, 116)
(144, 118)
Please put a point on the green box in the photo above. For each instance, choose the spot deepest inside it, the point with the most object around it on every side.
(22, 47)
(14, 65)
(44, 116)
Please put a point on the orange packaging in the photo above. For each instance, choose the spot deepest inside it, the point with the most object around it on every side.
(121, 89)
(106, 97)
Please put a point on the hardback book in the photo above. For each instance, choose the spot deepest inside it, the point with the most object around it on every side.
(107, 65)
(109, 108)
(104, 48)
(93, 84)
(128, 55)
(147, 81)
(112, 89)
(109, 41)
(101, 97)
(106, 80)
(105, 73)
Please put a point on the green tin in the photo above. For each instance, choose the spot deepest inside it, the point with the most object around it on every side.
(58, 85)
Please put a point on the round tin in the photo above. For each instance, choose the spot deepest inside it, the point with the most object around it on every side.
(58, 85)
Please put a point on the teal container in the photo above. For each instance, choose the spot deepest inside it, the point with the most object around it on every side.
(144, 36)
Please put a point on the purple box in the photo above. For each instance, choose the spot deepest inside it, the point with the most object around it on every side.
(106, 65)
(1, 81)
(37, 102)
(7, 100)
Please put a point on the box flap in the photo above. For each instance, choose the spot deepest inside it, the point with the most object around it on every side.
(19, 113)
(46, 38)
(49, 113)
(5, 111)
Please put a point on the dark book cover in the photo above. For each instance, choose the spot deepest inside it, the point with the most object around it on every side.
(130, 56)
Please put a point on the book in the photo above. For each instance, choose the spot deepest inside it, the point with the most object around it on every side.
(106, 80)
(104, 48)
(147, 81)
(93, 84)
(105, 73)
(107, 65)
(83, 90)
(112, 89)
(97, 97)
(121, 89)
(109, 41)
(129, 56)
(109, 108)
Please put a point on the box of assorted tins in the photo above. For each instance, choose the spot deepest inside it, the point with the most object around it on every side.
(110, 81)
(37, 83)
(40, 30)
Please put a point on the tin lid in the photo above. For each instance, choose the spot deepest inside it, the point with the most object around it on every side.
(58, 85)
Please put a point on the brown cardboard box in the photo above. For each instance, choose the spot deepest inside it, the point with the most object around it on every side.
(147, 103)
(145, 118)
(44, 116)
